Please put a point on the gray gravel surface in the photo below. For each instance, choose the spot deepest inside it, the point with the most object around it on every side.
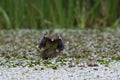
(112, 72)
(20, 59)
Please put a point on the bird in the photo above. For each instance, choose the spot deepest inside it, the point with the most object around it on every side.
(50, 45)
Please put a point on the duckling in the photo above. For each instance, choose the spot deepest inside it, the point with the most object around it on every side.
(50, 45)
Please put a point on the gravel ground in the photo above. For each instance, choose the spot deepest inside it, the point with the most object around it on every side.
(20, 59)
(112, 72)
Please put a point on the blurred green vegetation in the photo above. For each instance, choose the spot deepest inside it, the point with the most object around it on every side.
(39, 14)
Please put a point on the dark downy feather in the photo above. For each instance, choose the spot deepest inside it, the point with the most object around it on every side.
(50, 45)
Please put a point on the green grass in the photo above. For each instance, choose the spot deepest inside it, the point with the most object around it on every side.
(59, 13)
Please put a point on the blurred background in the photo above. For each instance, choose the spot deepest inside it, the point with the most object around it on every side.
(39, 14)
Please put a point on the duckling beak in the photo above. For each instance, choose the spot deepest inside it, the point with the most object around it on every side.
(52, 39)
